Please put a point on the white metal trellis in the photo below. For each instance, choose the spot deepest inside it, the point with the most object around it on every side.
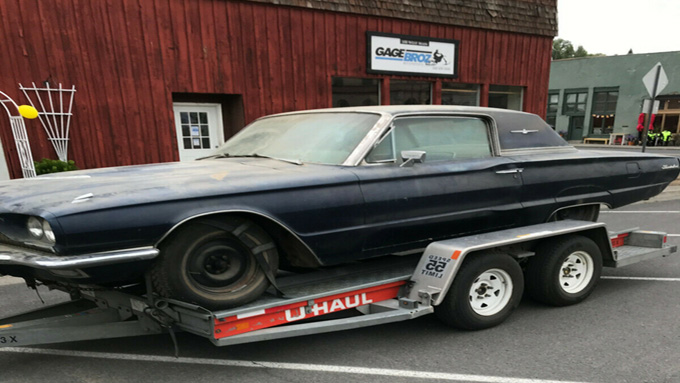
(52, 120)
(20, 136)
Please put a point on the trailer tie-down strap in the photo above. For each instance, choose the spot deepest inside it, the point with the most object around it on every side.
(264, 265)
(257, 251)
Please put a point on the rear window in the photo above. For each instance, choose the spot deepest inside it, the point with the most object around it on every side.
(526, 131)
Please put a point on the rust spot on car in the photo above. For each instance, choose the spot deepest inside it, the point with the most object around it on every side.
(219, 176)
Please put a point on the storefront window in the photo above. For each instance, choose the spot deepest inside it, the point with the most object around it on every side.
(410, 92)
(673, 104)
(668, 114)
(553, 106)
(505, 97)
(349, 91)
(575, 102)
(460, 94)
(603, 112)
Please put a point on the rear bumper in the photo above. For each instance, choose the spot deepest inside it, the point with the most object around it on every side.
(17, 256)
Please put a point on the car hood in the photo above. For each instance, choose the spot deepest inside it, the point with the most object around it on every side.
(103, 188)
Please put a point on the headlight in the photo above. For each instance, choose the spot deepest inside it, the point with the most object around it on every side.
(41, 230)
(47, 230)
(35, 227)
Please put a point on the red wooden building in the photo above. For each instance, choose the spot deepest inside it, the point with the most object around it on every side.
(164, 80)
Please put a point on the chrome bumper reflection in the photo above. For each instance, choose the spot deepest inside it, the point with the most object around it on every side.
(12, 255)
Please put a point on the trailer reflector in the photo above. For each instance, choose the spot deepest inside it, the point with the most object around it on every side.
(619, 240)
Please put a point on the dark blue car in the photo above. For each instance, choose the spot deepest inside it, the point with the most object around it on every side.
(306, 190)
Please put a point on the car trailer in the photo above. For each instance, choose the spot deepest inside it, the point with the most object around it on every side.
(471, 282)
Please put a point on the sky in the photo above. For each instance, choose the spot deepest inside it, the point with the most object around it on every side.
(613, 27)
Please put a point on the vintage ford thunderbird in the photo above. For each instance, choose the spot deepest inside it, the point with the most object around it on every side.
(306, 190)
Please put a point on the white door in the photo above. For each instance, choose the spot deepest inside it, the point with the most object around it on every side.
(199, 129)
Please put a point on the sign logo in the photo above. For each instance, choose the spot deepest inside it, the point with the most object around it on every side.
(400, 54)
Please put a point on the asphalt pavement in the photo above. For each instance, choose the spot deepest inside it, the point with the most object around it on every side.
(628, 330)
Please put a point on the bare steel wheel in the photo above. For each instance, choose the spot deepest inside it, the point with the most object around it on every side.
(491, 292)
(212, 263)
(563, 271)
(576, 272)
(485, 291)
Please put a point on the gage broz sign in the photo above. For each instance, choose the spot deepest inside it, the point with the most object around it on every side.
(400, 54)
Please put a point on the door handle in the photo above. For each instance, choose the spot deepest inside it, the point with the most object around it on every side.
(510, 171)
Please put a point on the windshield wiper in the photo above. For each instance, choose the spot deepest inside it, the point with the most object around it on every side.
(255, 155)
(218, 155)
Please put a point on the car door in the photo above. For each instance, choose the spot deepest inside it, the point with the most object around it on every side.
(462, 187)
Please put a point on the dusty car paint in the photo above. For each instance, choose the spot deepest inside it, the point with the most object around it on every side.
(338, 212)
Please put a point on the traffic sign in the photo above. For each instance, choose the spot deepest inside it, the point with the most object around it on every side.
(651, 78)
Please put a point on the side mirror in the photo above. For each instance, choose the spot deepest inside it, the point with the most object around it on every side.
(411, 157)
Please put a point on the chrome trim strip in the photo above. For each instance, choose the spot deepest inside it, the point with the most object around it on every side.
(17, 256)
(547, 149)
(369, 141)
(511, 171)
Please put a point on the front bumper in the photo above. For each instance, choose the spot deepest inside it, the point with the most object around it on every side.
(18, 256)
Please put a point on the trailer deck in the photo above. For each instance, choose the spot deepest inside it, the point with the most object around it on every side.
(365, 293)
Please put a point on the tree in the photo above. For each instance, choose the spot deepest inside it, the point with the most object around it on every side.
(564, 49)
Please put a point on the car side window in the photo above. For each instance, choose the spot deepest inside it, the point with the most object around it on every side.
(442, 138)
(383, 152)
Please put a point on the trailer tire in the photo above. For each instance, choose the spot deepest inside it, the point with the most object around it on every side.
(212, 263)
(485, 291)
(563, 272)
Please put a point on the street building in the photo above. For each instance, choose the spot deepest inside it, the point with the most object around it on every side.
(168, 80)
(596, 99)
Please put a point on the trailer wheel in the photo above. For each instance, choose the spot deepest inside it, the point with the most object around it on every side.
(487, 288)
(214, 266)
(564, 272)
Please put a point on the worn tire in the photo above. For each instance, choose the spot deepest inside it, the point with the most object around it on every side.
(211, 263)
(563, 271)
(490, 279)
(580, 213)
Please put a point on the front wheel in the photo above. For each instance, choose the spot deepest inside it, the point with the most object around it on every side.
(212, 263)
(565, 271)
(487, 288)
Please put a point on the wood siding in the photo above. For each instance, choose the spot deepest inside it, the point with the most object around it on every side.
(127, 57)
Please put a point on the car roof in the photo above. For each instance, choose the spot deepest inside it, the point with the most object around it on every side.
(516, 130)
(401, 109)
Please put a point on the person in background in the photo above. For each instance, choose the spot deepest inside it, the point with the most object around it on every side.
(665, 137)
(640, 127)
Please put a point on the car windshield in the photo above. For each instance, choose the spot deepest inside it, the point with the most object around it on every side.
(323, 138)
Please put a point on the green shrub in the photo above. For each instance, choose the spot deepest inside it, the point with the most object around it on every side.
(46, 166)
